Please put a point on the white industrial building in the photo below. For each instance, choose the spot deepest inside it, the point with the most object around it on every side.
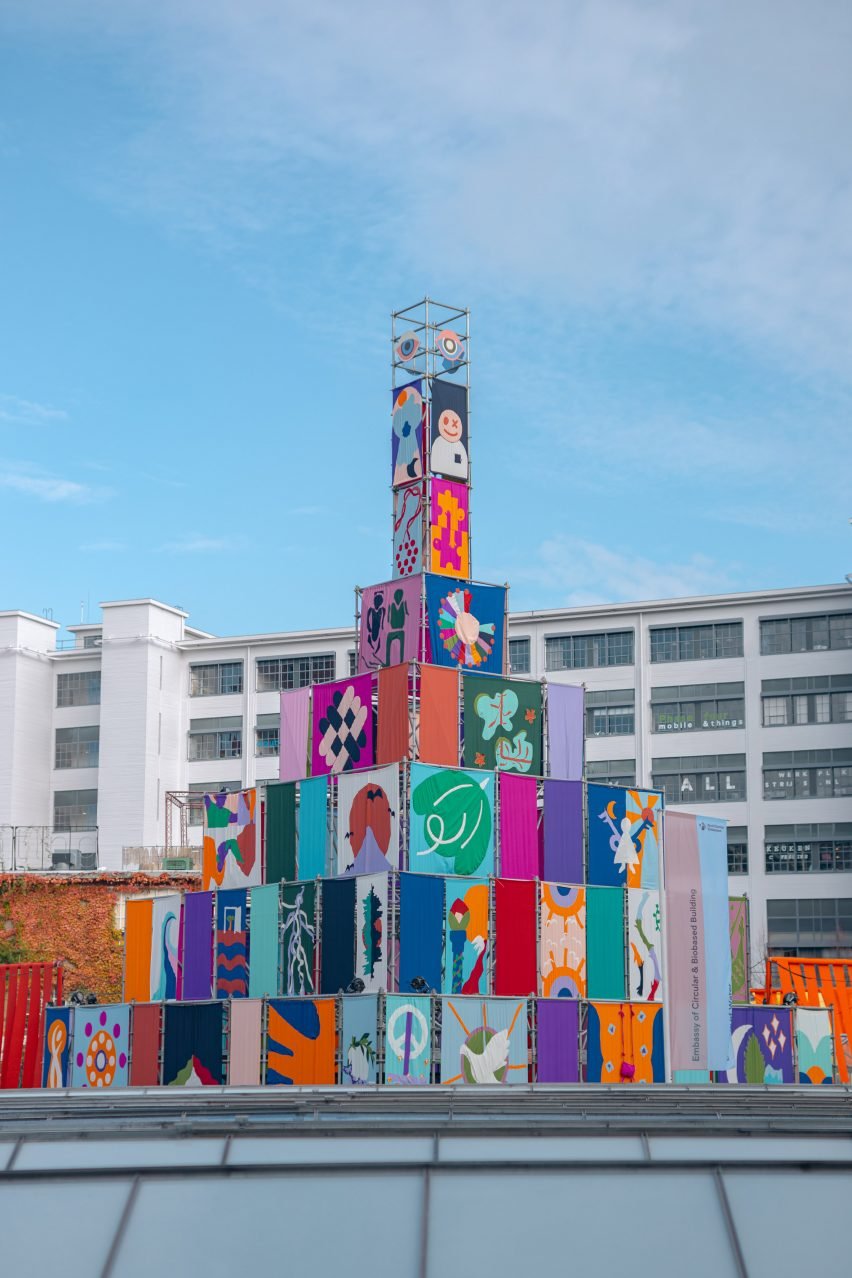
(742, 701)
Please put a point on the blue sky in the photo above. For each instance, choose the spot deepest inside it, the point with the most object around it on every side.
(209, 208)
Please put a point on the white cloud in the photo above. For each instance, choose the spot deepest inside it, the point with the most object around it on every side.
(27, 411)
(50, 488)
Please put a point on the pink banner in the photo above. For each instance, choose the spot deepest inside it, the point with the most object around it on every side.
(565, 731)
(518, 827)
(342, 733)
(390, 624)
(293, 734)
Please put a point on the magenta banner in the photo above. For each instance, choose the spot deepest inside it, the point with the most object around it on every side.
(293, 734)
(342, 731)
(518, 827)
(565, 732)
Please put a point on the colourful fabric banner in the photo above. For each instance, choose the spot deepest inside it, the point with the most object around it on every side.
(147, 1034)
(697, 941)
(644, 935)
(563, 831)
(518, 827)
(516, 940)
(101, 1046)
(298, 938)
(624, 1043)
(438, 740)
(197, 945)
(449, 529)
(265, 942)
(165, 929)
(389, 634)
(337, 953)
(58, 1031)
(359, 1038)
(466, 624)
(483, 1041)
(230, 851)
(605, 942)
(244, 1039)
(565, 731)
(624, 836)
(192, 1045)
(466, 937)
(761, 1044)
(408, 418)
(562, 941)
(451, 823)
(301, 1041)
(313, 828)
(558, 1040)
(293, 734)
(232, 944)
(409, 530)
(448, 451)
(368, 821)
(371, 910)
(814, 1045)
(408, 1039)
(738, 927)
(138, 916)
(342, 732)
(421, 932)
(393, 728)
(281, 841)
(502, 724)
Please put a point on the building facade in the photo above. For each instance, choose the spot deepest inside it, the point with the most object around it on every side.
(740, 701)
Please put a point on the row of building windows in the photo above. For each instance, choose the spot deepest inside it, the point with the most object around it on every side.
(273, 674)
(817, 927)
(795, 849)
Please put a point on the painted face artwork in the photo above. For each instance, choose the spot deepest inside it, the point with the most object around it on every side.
(448, 446)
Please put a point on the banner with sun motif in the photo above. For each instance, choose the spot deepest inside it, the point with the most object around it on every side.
(451, 821)
(466, 624)
(562, 941)
(502, 724)
(449, 528)
(101, 1046)
(623, 836)
(483, 1041)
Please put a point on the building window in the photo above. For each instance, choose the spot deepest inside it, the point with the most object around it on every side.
(610, 713)
(802, 848)
(279, 674)
(75, 809)
(806, 634)
(578, 652)
(812, 699)
(807, 774)
(217, 679)
(78, 688)
(707, 778)
(737, 849)
(93, 641)
(810, 928)
(519, 656)
(611, 771)
(266, 735)
(220, 738)
(697, 643)
(697, 707)
(77, 747)
(353, 666)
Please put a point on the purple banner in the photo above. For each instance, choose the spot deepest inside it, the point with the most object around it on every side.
(565, 731)
(342, 733)
(563, 832)
(761, 1046)
(197, 953)
(558, 1040)
(293, 734)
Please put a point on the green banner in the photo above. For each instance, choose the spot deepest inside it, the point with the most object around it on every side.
(605, 942)
(502, 724)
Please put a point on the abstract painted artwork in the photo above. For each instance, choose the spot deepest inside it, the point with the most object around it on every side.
(342, 733)
(451, 349)
(502, 724)
(408, 1038)
(232, 945)
(56, 1071)
(359, 1038)
(406, 347)
(192, 1045)
(101, 1046)
(625, 1043)
(390, 624)
(230, 857)
(466, 624)
(738, 924)
(483, 1041)
(562, 941)
(371, 907)
(624, 834)
(409, 509)
(814, 1045)
(408, 411)
(368, 821)
(448, 450)
(298, 937)
(466, 937)
(645, 945)
(761, 1046)
(165, 927)
(301, 1041)
(449, 536)
(451, 826)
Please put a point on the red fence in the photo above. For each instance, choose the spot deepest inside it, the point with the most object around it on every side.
(25, 990)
